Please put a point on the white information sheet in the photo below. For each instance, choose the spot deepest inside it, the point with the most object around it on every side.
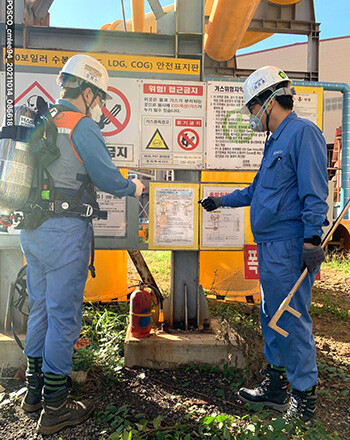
(224, 227)
(305, 106)
(172, 124)
(231, 144)
(174, 216)
(115, 225)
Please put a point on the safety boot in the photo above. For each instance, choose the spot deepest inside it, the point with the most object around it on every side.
(272, 392)
(32, 400)
(302, 406)
(59, 412)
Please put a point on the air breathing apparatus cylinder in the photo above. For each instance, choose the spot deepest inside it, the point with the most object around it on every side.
(140, 313)
(16, 162)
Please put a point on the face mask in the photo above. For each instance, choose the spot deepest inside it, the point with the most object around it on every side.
(255, 120)
(255, 123)
(96, 113)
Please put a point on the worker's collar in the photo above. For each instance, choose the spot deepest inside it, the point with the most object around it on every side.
(282, 125)
(66, 103)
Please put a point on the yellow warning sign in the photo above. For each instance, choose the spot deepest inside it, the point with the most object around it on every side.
(117, 62)
(157, 142)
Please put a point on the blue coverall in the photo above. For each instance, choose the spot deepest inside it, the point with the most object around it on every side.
(58, 254)
(288, 203)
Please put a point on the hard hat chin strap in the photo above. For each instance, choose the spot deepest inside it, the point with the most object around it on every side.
(87, 107)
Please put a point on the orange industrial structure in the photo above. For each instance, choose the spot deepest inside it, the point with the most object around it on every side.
(225, 33)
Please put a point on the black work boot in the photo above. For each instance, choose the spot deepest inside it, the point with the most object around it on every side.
(60, 412)
(272, 392)
(32, 400)
(302, 406)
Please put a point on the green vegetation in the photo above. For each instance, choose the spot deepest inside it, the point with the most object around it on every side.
(240, 323)
(159, 261)
(106, 329)
(327, 304)
(338, 261)
(213, 427)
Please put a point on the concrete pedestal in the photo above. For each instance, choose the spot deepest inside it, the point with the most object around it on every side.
(168, 350)
(11, 356)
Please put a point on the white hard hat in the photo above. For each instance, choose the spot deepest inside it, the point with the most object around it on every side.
(263, 79)
(88, 69)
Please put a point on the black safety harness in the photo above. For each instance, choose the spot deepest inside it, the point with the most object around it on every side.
(46, 201)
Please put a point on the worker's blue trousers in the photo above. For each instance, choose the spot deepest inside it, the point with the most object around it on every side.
(279, 267)
(57, 254)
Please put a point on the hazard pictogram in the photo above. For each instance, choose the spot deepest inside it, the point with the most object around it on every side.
(157, 142)
(188, 139)
(30, 89)
(116, 115)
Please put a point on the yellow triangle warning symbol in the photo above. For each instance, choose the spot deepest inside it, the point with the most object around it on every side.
(157, 142)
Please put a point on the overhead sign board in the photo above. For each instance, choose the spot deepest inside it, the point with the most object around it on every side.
(172, 124)
(112, 62)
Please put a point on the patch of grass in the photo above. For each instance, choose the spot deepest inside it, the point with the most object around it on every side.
(128, 426)
(242, 323)
(327, 304)
(160, 265)
(338, 261)
(106, 328)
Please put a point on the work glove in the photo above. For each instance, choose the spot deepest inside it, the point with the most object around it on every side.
(211, 203)
(312, 258)
(139, 187)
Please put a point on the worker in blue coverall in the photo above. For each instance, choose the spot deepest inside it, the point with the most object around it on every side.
(58, 247)
(288, 209)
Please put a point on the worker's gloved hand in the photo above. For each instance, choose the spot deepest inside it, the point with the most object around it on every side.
(312, 257)
(139, 187)
(211, 203)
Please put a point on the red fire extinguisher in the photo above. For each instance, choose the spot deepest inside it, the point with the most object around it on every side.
(140, 313)
(140, 310)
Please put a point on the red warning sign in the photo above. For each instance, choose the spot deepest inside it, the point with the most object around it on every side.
(188, 139)
(117, 116)
(251, 264)
(32, 87)
(188, 122)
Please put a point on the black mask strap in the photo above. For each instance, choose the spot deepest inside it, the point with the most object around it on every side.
(267, 126)
(87, 107)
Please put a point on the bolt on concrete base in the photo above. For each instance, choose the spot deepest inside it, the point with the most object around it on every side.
(168, 350)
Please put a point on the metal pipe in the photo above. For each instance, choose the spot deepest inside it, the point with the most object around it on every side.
(41, 8)
(157, 9)
(228, 24)
(150, 22)
(124, 21)
(284, 2)
(208, 7)
(344, 88)
(138, 15)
